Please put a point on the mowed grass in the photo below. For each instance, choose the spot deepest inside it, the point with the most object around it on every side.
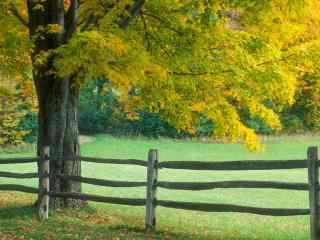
(105, 221)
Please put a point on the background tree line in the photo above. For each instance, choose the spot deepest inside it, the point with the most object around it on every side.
(101, 112)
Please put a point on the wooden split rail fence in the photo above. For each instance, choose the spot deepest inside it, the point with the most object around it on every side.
(152, 184)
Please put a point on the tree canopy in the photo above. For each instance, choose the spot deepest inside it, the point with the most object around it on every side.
(182, 59)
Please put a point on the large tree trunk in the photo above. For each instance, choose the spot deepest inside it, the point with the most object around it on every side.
(58, 130)
(57, 98)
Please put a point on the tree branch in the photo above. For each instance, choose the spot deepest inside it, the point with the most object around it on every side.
(276, 60)
(166, 24)
(161, 45)
(90, 21)
(71, 18)
(16, 13)
(146, 36)
(133, 12)
(106, 6)
(199, 73)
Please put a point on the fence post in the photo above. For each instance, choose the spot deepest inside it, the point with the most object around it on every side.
(313, 176)
(43, 197)
(152, 177)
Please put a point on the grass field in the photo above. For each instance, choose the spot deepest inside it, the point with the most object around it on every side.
(103, 221)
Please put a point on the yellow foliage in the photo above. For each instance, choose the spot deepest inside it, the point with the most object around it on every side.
(186, 59)
(10, 119)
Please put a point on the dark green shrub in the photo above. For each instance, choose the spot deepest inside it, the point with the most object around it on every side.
(205, 127)
(259, 126)
(151, 125)
(95, 107)
(30, 123)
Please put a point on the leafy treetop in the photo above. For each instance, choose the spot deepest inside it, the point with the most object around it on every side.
(183, 59)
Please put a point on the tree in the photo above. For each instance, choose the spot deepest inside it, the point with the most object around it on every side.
(184, 60)
(52, 24)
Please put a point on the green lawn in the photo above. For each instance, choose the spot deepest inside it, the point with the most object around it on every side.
(128, 222)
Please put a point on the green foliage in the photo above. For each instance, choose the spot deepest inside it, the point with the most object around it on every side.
(95, 107)
(101, 112)
(18, 122)
(10, 119)
(259, 126)
(149, 125)
(292, 123)
(307, 104)
(29, 123)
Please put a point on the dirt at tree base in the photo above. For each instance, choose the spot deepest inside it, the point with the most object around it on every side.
(85, 139)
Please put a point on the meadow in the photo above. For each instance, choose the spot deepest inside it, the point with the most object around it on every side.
(105, 221)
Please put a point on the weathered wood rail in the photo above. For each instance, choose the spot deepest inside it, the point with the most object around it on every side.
(235, 165)
(152, 185)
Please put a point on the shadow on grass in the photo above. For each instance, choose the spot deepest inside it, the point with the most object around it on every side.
(20, 221)
(123, 231)
(17, 212)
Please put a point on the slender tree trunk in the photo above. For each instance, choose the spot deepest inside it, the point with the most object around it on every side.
(57, 98)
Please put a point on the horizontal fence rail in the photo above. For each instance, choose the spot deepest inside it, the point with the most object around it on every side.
(113, 161)
(19, 160)
(232, 184)
(95, 198)
(138, 162)
(18, 188)
(152, 185)
(235, 165)
(101, 182)
(18, 175)
(209, 207)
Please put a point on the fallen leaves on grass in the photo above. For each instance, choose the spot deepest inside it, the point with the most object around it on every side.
(7, 236)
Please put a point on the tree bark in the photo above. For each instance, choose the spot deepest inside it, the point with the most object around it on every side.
(58, 129)
(57, 98)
